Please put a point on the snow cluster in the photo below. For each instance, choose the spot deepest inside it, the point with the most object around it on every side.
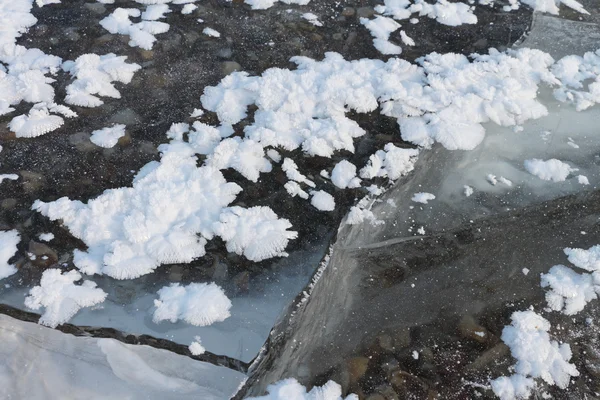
(61, 298)
(94, 76)
(549, 170)
(109, 136)
(573, 71)
(8, 248)
(322, 201)
(423, 197)
(568, 290)
(264, 4)
(344, 175)
(537, 357)
(196, 347)
(199, 304)
(391, 162)
(10, 177)
(171, 210)
(141, 34)
(291, 389)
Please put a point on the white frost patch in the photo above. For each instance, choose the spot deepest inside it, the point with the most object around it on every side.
(46, 237)
(264, 4)
(583, 180)
(188, 8)
(392, 162)
(10, 177)
(155, 12)
(291, 171)
(407, 40)
(422, 197)
(312, 18)
(196, 347)
(211, 32)
(244, 155)
(94, 77)
(8, 248)
(255, 232)
(61, 298)
(553, 169)
(290, 389)
(198, 304)
(569, 292)
(381, 28)
(537, 357)
(322, 201)
(294, 189)
(141, 34)
(344, 175)
(358, 215)
(551, 6)
(468, 190)
(109, 136)
(38, 122)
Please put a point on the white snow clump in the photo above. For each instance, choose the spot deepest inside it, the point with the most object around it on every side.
(141, 34)
(344, 175)
(322, 201)
(109, 136)
(549, 170)
(196, 347)
(291, 389)
(198, 304)
(61, 298)
(423, 197)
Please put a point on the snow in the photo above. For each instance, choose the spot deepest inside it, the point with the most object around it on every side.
(109, 136)
(322, 201)
(553, 169)
(392, 162)
(196, 347)
(94, 77)
(46, 237)
(551, 6)
(188, 8)
(8, 248)
(38, 122)
(358, 215)
(422, 197)
(381, 28)
(141, 34)
(86, 367)
(344, 175)
(155, 12)
(291, 171)
(468, 190)
(569, 292)
(537, 356)
(244, 155)
(211, 32)
(312, 18)
(290, 389)
(10, 177)
(198, 304)
(264, 4)
(294, 189)
(61, 298)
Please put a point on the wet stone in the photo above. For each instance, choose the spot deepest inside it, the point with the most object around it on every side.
(96, 8)
(41, 255)
(365, 12)
(81, 141)
(241, 282)
(348, 12)
(8, 204)
(470, 329)
(228, 67)
(32, 181)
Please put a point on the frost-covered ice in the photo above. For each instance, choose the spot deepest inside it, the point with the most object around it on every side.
(549, 170)
(423, 197)
(290, 389)
(85, 367)
(8, 248)
(199, 304)
(109, 136)
(61, 298)
(537, 357)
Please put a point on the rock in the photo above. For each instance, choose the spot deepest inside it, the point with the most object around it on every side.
(387, 392)
(96, 8)
(147, 147)
(81, 141)
(338, 36)
(401, 338)
(41, 255)
(228, 67)
(71, 34)
(348, 11)
(470, 329)
(8, 204)
(32, 181)
(365, 12)
(241, 282)
(386, 343)
(124, 140)
(220, 271)
(376, 396)
(126, 117)
(357, 367)
(224, 53)
(488, 357)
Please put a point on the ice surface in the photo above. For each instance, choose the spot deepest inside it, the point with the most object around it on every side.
(41, 363)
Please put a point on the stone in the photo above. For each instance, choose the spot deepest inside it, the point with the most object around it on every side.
(241, 282)
(8, 204)
(32, 181)
(41, 255)
(357, 367)
(81, 141)
(96, 8)
(228, 67)
(348, 11)
(470, 329)
(365, 12)
(488, 357)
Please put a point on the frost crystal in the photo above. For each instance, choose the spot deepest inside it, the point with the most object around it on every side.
(344, 175)
(322, 201)
(198, 304)
(109, 136)
(549, 170)
(422, 197)
(61, 298)
(289, 389)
